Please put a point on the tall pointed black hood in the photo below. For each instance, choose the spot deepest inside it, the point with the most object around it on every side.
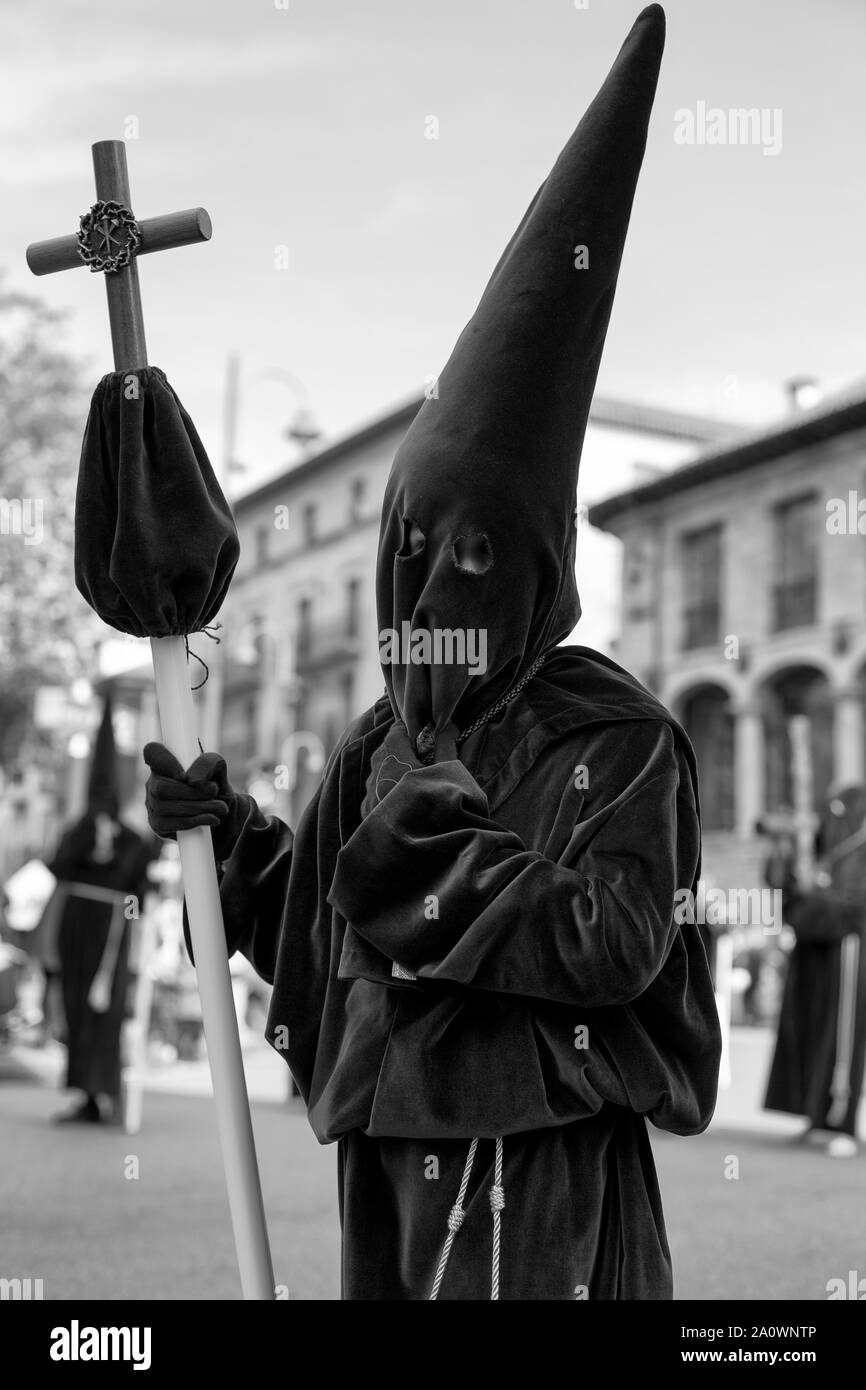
(102, 790)
(478, 528)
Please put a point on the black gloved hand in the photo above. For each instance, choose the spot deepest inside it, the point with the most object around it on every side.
(178, 800)
(397, 755)
(394, 757)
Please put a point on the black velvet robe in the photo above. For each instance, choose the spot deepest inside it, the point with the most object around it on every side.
(523, 877)
(801, 1075)
(557, 1003)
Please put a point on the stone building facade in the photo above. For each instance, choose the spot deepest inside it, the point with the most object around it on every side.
(744, 609)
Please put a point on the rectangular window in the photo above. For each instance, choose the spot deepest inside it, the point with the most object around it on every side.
(795, 563)
(251, 731)
(305, 626)
(349, 710)
(251, 640)
(702, 587)
(358, 494)
(353, 607)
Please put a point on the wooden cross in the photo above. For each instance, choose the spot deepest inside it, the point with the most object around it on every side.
(110, 234)
(110, 240)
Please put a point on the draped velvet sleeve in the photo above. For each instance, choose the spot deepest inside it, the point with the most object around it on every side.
(431, 881)
(523, 959)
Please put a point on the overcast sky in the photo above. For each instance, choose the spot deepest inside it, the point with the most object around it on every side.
(305, 127)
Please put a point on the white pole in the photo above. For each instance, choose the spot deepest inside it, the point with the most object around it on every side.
(134, 1090)
(177, 718)
(802, 779)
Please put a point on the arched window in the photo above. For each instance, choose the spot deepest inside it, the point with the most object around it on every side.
(707, 720)
(799, 690)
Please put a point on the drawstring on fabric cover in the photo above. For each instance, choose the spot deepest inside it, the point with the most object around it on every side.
(211, 632)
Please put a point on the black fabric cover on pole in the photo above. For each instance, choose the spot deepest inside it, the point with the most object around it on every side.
(155, 541)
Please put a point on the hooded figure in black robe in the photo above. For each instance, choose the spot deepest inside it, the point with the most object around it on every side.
(479, 983)
(818, 1064)
(100, 865)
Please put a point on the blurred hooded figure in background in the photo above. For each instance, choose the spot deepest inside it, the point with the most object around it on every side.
(818, 1064)
(100, 865)
(479, 984)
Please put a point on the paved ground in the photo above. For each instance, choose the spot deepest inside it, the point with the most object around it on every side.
(790, 1221)
(69, 1215)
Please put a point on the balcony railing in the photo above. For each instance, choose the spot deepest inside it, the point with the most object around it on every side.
(326, 645)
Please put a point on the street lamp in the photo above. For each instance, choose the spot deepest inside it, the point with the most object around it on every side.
(302, 427)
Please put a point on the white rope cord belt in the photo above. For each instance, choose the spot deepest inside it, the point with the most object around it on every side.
(840, 1085)
(457, 1214)
(99, 994)
(94, 891)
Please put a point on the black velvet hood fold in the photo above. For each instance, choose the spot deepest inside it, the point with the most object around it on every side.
(478, 522)
(155, 541)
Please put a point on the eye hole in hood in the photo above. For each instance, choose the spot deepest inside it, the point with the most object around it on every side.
(414, 540)
(472, 554)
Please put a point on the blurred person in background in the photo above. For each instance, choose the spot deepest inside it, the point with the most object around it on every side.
(22, 903)
(818, 1065)
(101, 869)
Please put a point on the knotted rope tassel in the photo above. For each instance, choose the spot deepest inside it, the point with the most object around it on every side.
(497, 1203)
(455, 1221)
(457, 1214)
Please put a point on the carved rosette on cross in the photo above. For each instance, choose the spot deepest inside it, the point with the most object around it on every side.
(108, 236)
